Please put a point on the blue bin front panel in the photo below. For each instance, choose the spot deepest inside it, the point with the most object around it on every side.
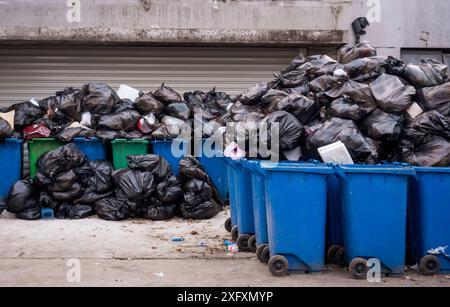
(259, 208)
(216, 167)
(244, 201)
(430, 212)
(92, 148)
(10, 165)
(164, 149)
(335, 235)
(233, 197)
(374, 218)
(296, 216)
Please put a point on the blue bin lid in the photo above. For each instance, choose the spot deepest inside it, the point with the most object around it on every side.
(17, 141)
(388, 169)
(444, 170)
(302, 167)
(92, 139)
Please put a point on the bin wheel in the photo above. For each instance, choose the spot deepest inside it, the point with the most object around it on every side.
(359, 268)
(251, 244)
(242, 242)
(228, 225)
(429, 265)
(265, 255)
(259, 251)
(278, 265)
(234, 233)
(331, 253)
(339, 258)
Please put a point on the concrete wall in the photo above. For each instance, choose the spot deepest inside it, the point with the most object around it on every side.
(395, 23)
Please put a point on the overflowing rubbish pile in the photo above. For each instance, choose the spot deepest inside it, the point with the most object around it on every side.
(380, 108)
(75, 188)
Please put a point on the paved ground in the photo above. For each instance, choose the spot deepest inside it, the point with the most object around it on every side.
(141, 253)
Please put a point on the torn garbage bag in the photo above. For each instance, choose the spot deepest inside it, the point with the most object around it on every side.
(112, 209)
(99, 98)
(391, 94)
(382, 126)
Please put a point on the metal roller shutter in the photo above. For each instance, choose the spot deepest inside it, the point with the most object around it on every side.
(27, 72)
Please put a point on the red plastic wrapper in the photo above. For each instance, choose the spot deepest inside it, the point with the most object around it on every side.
(36, 131)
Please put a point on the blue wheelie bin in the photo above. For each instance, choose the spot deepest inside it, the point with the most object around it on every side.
(164, 149)
(260, 241)
(374, 203)
(10, 165)
(231, 224)
(93, 148)
(296, 202)
(335, 235)
(215, 166)
(429, 219)
(244, 204)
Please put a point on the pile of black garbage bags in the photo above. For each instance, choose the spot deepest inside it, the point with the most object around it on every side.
(380, 108)
(76, 188)
(97, 110)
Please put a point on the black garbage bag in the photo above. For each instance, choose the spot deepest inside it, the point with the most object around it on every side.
(365, 69)
(303, 108)
(22, 196)
(125, 121)
(112, 209)
(435, 98)
(197, 191)
(218, 99)
(26, 113)
(382, 126)
(190, 168)
(170, 191)
(124, 105)
(91, 197)
(429, 73)
(202, 211)
(5, 129)
(2, 206)
(96, 175)
(71, 194)
(315, 64)
(346, 131)
(107, 135)
(159, 211)
(67, 103)
(167, 95)
(293, 78)
(157, 165)
(131, 135)
(295, 63)
(74, 211)
(253, 94)
(271, 99)
(147, 103)
(347, 108)
(290, 130)
(41, 180)
(239, 111)
(425, 124)
(47, 201)
(29, 214)
(391, 94)
(133, 185)
(63, 181)
(195, 99)
(376, 152)
(60, 160)
(324, 83)
(179, 110)
(246, 129)
(359, 92)
(99, 98)
(431, 151)
(303, 89)
(69, 133)
(362, 50)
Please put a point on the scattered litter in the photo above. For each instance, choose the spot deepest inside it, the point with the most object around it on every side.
(177, 239)
(160, 274)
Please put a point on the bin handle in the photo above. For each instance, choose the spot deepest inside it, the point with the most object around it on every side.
(340, 172)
